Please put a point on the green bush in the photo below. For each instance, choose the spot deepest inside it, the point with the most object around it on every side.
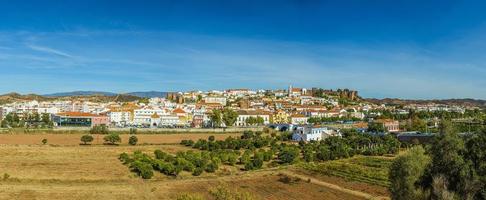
(288, 154)
(160, 154)
(143, 169)
(86, 139)
(133, 140)
(198, 171)
(211, 167)
(125, 158)
(112, 138)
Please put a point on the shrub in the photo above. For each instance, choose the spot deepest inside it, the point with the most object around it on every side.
(211, 138)
(288, 154)
(143, 169)
(249, 166)
(86, 139)
(160, 154)
(125, 158)
(133, 140)
(211, 167)
(257, 162)
(133, 131)
(112, 138)
(44, 141)
(198, 171)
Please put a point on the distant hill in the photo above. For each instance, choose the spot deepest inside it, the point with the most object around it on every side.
(80, 93)
(12, 97)
(460, 102)
(150, 94)
(96, 97)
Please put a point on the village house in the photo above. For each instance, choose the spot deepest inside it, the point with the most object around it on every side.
(243, 115)
(313, 133)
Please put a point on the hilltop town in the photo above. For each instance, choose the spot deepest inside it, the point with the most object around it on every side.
(315, 109)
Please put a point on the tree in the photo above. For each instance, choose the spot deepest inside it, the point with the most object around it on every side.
(405, 172)
(376, 127)
(288, 154)
(86, 139)
(229, 116)
(133, 140)
(112, 138)
(447, 160)
(46, 118)
(211, 138)
(476, 154)
(215, 117)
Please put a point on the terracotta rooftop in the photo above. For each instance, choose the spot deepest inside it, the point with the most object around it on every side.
(179, 110)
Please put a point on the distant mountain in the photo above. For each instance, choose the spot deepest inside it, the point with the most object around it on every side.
(13, 97)
(80, 93)
(459, 102)
(149, 94)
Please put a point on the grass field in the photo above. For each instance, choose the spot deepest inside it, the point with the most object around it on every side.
(29, 170)
(370, 170)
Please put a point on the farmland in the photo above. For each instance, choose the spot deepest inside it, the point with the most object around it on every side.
(64, 169)
(74, 138)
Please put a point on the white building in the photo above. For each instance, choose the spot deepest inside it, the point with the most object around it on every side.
(212, 99)
(298, 119)
(144, 115)
(119, 118)
(243, 115)
(312, 133)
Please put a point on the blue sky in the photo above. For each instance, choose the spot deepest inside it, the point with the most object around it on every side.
(406, 49)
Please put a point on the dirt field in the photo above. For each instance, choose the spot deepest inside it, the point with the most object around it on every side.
(74, 139)
(94, 172)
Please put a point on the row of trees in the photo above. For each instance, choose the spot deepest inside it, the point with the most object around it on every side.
(318, 120)
(255, 120)
(112, 139)
(448, 115)
(27, 120)
(452, 167)
(172, 165)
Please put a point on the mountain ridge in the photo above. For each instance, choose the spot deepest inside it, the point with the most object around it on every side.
(141, 94)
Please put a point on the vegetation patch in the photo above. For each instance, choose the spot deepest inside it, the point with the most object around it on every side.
(371, 170)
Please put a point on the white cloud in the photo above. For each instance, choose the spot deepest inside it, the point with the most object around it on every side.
(49, 50)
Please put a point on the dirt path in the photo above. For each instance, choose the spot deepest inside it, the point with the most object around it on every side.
(335, 187)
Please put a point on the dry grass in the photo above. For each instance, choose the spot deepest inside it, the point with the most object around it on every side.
(94, 172)
(74, 139)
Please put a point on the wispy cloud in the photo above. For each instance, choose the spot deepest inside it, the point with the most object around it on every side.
(49, 50)
(130, 61)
